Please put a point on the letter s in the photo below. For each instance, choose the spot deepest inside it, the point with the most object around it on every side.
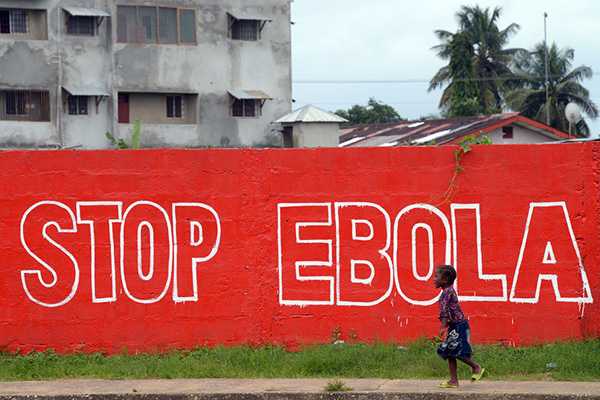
(54, 261)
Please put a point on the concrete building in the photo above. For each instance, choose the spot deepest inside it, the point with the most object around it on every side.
(194, 72)
(508, 128)
(310, 126)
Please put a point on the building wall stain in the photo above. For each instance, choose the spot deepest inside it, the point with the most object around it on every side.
(208, 69)
(25, 65)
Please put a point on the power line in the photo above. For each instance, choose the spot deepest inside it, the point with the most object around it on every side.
(407, 103)
(410, 81)
(318, 82)
(398, 103)
(344, 104)
(340, 101)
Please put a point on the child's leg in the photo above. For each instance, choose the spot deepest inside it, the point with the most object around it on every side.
(452, 365)
(474, 366)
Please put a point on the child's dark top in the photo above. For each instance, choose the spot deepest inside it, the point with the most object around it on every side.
(450, 310)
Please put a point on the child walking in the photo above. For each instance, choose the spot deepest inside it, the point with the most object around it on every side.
(455, 329)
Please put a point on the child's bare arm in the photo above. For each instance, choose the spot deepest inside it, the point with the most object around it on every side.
(443, 328)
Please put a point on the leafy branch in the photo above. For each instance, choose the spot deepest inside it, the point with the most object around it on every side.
(121, 144)
(465, 147)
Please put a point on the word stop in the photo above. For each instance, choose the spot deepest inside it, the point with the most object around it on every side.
(154, 250)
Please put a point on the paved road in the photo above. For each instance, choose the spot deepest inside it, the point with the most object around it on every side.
(221, 386)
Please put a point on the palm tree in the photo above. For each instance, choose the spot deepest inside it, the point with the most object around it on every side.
(490, 59)
(463, 91)
(564, 87)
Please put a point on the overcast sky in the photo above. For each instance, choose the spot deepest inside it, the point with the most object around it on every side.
(391, 40)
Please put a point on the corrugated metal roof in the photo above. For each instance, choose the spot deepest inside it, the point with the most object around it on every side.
(249, 94)
(86, 91)
(432, 137)
(424, 132)
(377, 141)
(86, 12)
(242, 15)
(310, 113)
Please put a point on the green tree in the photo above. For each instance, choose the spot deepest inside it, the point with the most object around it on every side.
(463, 95)
(374, 113)
(477, 55)
(565, 86)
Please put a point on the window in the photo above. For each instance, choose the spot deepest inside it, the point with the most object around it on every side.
(127, 24)
(14, 21)
(4, 21)
(245, 108)
(158, 108)
(508, 132)
(168, 25)
(24, 105)
(187, 26)
(78, 105)
(16, 103)
(161, 25)
(147, 18)
(174, 106)
(245, 29)
(18, 21)
(250, 108)
(81, 26)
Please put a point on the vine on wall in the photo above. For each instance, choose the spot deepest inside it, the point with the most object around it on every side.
(465, 147)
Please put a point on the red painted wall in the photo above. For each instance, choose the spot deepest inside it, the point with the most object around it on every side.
(257, 246)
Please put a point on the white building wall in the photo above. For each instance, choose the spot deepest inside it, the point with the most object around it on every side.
(87, 131)
(316, 135)
(521, 135)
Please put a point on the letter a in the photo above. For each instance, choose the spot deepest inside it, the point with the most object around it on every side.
(549, 252)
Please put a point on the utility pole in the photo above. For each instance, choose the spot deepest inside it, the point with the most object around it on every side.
(547, 68)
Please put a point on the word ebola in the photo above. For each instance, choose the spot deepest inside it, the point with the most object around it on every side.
(353, 254)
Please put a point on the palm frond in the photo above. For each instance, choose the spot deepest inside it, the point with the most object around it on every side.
(579, 74)
(572, 87)
(443, 35)
(506, 33)
(586, 105)
(440, 79)
(516, 99)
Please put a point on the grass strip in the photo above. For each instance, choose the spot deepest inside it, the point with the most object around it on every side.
(560, 361)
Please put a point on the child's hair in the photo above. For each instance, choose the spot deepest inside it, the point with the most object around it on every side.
(448, 273)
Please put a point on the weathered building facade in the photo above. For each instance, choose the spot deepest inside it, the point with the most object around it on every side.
(193, 72)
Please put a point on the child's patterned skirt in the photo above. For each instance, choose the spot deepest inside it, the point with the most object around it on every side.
(457, 343)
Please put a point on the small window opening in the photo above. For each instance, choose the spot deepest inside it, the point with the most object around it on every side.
(245, 108)
(78, 105)
(508, 132)
(174, 106)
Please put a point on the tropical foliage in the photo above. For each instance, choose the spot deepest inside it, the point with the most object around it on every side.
(565, 86)
(121, 144)
(374, 112)
(478, 71)
(484, 76)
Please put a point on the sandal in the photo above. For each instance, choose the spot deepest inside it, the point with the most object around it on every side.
(447, 385)
(479, 376)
